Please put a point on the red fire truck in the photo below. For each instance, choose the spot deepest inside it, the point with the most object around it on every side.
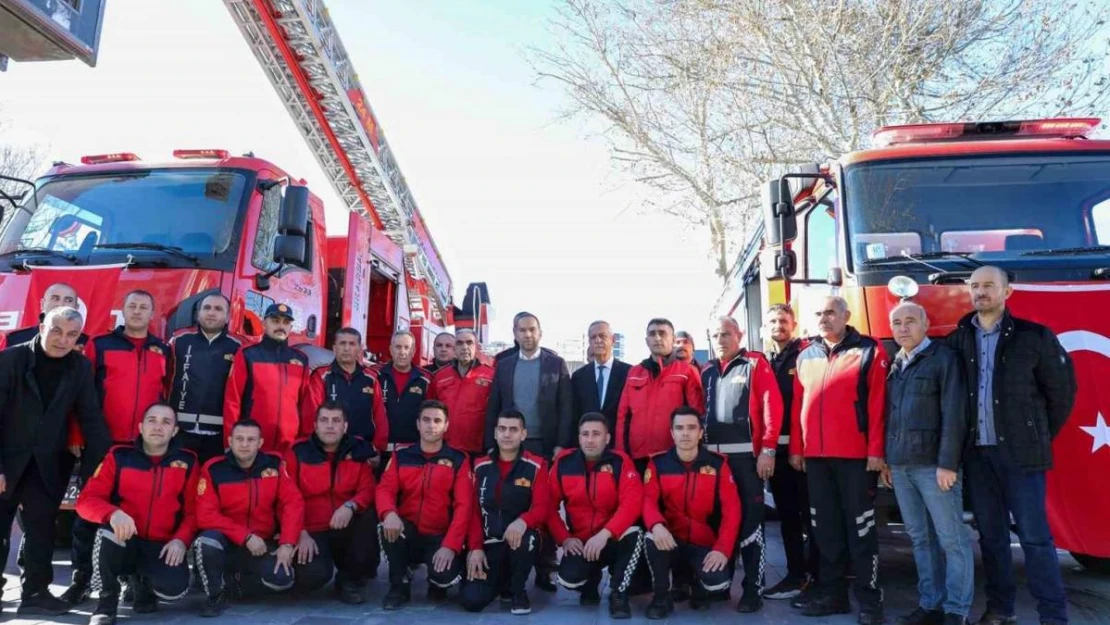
(914, 215)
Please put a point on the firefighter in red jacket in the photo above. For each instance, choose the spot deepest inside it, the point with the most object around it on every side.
(143, 500)
(355, 387)
(692, 515)
(838, 437)
(332, 470)
(425, 501)
(512, 503)
(652, 391)
(742, 421)
(464, 387)
(250, 514)
(268, 382)
(603, 496)
(129, 369)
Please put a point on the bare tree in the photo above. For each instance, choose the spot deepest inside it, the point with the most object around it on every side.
(704, 99)
(16, 161)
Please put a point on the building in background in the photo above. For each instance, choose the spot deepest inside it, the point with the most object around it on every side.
(493, 348)
(618, 345)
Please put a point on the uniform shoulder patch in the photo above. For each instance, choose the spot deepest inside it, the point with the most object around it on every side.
(155, 348)
(202, 486)
(647, 475)
(523, 481)
(269, 472)
(294, 361)
(482, 381)
(416, 389)
(605, 468)
(369, 390)
(229, 357)
(446, 462)
(707, 470)
(179, 464)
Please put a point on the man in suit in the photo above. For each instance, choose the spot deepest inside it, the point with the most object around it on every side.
(597, 387)
(41, 383)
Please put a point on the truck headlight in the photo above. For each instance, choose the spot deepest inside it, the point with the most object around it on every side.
(904, 287)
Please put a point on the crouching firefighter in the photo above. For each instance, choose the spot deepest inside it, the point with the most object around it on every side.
(332, 470)
(250, 514)
(692, 515)
(142, 498)
(512, 502)
(603, 496)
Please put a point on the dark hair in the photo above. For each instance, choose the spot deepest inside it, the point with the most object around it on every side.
(141, 293)
(247, 423)
(520, 316)
(433, 404)
(683, 334)
(226, 299)
(781, 308)
(661, 321)
(513, 413)
(683, 411)
(332, 405)
(350, 331)
(161, 404)
(593, 417)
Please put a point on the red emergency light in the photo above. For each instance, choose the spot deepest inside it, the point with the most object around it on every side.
(1063, 128)
(117, 157)
(217, 154)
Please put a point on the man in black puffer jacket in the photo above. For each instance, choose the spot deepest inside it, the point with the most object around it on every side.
(926, 407)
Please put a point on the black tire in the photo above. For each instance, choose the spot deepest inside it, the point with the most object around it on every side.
(1094, 564)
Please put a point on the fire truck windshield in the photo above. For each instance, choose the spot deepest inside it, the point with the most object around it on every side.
(1028, 210)
(171, 216)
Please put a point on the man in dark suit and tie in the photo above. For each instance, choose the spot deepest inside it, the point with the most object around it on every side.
(597, 386)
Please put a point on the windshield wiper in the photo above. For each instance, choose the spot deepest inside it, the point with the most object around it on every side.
(40, 250)
(155, 247)
(1070, 251)
(909, 258)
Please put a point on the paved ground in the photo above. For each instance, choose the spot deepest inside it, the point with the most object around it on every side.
(1089, 598)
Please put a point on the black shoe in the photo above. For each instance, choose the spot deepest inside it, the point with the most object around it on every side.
(397, 597)
(590, 596)
(78, 591)
(145, 601)
(506, 599)
(544, 582)
(921, 616)
(788, 588)
(520, 604)
(43, 603)
(994, 618)
(660, 607)
(871, 616)
(749, 602)
(955, 619)
(680, 594)
(808, 594)
(618, 605)
(215, 606)
(350, 594)
(128, 585)
(436, 594)
(825, 605)
(102, 619)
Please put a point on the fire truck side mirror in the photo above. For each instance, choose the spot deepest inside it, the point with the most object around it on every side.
(783, 264)
(289, 249)
(294, 211)
(779, 220)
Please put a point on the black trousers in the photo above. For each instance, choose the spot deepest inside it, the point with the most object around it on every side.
(218, 559)
(112, 559)
(621, 556)
(792, 504)
(415, 548)
(842, 496)
(508, 570)
(546, 562)
(352, 550)
(40, 503)
(752, 546)
(685, 561)
(206, 447)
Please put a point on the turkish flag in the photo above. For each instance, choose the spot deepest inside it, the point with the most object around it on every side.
(96, 291)
(1078, 490)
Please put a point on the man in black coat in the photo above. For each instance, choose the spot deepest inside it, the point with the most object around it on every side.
(597, 387)
(41, 383)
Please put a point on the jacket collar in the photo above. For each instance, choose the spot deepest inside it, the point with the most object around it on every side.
(655, 365)
(700, 460)
(724, 368)
(851, 338)
(1005, 324)
(150, 339)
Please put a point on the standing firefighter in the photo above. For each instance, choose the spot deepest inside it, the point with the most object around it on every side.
(355, 387)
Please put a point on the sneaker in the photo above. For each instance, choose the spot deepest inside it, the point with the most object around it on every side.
(618, 605)
(749, 602)
(78, 591)
(215, 606)
(43, 603)
(955, 619)
(590, 596)
(145, 601)
(788, 588)
(102, 619)
(808, 594)
(544, 581)
(681, 593)
(660, 607)
(994, 618)
(350, 594)
(921, 616)
(699, 598)
(397, 597)
(871, 616)
(505, 599)
(520, 604)
(825, 605)
(436, 594)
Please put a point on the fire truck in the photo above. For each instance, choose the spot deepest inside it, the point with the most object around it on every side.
(913, 216)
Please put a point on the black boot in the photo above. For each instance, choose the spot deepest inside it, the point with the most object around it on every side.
(397, 597)
(105, 613)
(215, 605)
(660, 607)
(78, 591)
(590, 596)
(145, 601)
(826, 605)
(618, 605)
(43, 603)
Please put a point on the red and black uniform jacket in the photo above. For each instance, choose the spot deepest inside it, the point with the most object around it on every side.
(402, 402)
(129, 378)
(522, 493)
(652, 391)
(160, 494)
(358, 392)
(743, 404)
(200, 368)
(466, 398)
(328, 480)
(262, 500)
(268, 381)
(607, 494)
(698, 502)
(434, 492)
(839, 398)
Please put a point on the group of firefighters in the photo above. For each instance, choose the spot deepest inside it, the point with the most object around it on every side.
(277, 477)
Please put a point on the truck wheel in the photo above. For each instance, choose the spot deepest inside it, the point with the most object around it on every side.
(1094, 564)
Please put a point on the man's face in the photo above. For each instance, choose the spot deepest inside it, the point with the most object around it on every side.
(985, 286)
(593, 438)
(432, 424)
(58, 295)
(330, 426)
(527, 333)
(726, 341)
(213, 314)
(278, 328)
(444, 347)
(158, 427)
(347, 349)
(780, 326)
(684, 348)
(686, 432)
(510, 433)
(601, 342)
(245, 442)
(660, 340)
(400, 350)
(138, 310)
(908, 327)
(466, 348)
(61, 337)
(831, 321)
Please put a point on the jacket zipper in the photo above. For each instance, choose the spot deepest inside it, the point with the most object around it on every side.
(824, 381)
(689, 490)
(155, 489)
(281, 400)
(250, 501)
(591, 483)
(425, 478)
(138, 380)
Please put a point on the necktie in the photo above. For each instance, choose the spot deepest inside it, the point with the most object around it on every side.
(600, 385)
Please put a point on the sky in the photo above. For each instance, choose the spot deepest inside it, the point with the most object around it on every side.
(514, 198)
